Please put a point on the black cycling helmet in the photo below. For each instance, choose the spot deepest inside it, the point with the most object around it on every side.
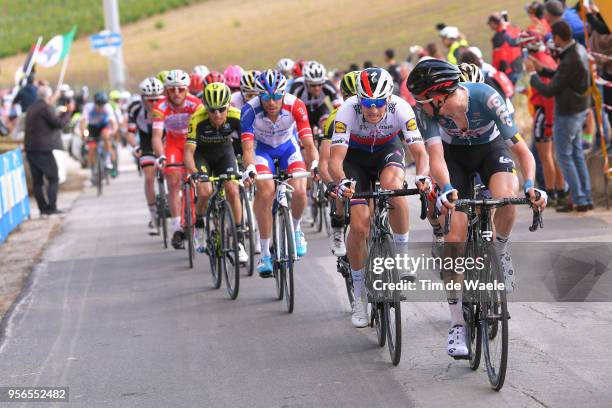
(432, 77)
(100, 98)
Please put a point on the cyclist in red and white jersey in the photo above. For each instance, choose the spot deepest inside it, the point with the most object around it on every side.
(173, 115)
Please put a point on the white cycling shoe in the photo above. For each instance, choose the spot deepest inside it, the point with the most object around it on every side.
(508, 269)
(243, 257)
(456, 342)
(337, 246)
(359, 317)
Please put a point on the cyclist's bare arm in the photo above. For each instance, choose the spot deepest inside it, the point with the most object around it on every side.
(324, 157)
(525, 158)
(337, 155)
(188, 158)
(113, 126)
(310, 151)
(439, 171)
(158, 145)
(248, 152)
(131, 139)
(419, 153)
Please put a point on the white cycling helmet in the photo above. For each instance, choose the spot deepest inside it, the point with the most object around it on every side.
(471, 73)
(201, 70)
(449, 32)
(125, 95)
(314, 73)
(374, 83)
(285, 65)
(177, 77)
(151, 87)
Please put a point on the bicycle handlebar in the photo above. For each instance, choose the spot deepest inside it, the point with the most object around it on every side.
(396, 193)
(283, 176)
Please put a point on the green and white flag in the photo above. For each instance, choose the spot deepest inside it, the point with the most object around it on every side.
(56, 49)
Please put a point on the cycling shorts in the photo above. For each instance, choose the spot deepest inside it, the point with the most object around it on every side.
(216, 164)
(95, 132)
(365, 167)
(463, 161)
(288, 155)
(541, 132)
(174, 154)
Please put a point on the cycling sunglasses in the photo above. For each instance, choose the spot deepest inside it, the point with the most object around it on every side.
(220, 110)
(370, 102)
(266, 97)
(176, 89)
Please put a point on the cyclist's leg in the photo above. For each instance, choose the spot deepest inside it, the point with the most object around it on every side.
(262, 206)
(173, 173)
(92, 143)
(291, 159)
(147, 163)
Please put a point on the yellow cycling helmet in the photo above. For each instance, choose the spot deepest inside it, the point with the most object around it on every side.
(348, 85)
(114, 95)
(161, 75)
(217, 95)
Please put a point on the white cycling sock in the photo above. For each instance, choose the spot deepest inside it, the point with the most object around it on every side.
(456, 309)
(153, 211)
(265, 246)
(358, 283)
(501, 242)
(296, 224)
(401, 242)
(176, 224)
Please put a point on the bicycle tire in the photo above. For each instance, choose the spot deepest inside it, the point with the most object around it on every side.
(212, 244)
(277, 269)
(471, 314)
(392, 305)
(287, 257)
(494, 312)
(377, 320)
(99, 175)
(248, 231)
(161, 210)
(229, 251)
(188, 227)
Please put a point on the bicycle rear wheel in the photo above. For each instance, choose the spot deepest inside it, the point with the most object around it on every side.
(99, 174)
(161, 210)
(248, 230)
(494, 322)
(287, 245)
(213, 244)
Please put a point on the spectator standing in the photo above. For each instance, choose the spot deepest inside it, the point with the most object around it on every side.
(405, 70)
(601, 46)
(453, 41)
(393, 69)
(24, 98)
(555, 10)
(568, 85)
(41, 138)
(506, 55)
(537, 22)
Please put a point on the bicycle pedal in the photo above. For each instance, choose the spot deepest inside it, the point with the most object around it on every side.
(153, 233)
(466, 357)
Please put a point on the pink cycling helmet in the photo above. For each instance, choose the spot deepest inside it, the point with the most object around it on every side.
(233, 74)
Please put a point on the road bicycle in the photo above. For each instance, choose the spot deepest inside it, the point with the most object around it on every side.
(161, 204)
(283, 235)
(485, 309)
(385, 306)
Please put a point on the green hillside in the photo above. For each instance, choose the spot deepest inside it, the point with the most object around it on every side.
(51, 17)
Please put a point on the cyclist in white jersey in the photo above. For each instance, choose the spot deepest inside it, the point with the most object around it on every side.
(366, 147)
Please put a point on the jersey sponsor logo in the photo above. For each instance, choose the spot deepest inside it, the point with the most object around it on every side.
(411, 125)
(340, 127)
(338, 141)
(495, 103)
(506, 160)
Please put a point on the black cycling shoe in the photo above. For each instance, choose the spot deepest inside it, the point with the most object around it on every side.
(177, 240)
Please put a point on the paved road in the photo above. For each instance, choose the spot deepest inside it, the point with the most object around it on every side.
(123, 322)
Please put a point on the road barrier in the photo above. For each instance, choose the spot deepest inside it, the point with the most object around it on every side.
(14, 201)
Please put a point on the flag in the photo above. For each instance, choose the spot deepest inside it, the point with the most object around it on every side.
(56, 49)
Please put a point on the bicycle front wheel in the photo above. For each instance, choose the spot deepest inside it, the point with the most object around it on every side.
(494, 322)
(213, 243)
(162, 218)
(248, 230)
(392, 305)
(287, 245)
(99, 174)
(228, 260)
(188, 227)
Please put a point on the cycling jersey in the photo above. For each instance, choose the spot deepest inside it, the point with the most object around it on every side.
(139, 122)
(352, 130)
(237, 100)
(487, 116)
(208, 139)
(98, 118)
(256, 125)
(175, 121)
(328, 129)
(317, 109)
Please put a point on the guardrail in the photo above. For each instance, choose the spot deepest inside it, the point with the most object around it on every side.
(14, 200)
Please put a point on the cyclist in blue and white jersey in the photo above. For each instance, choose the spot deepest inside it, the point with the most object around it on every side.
(98, 122)
(468, 129)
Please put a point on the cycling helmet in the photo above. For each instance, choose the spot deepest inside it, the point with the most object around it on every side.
(285, 65)
(114, 95)
(470, 73)
(247, 82)
(177, 77)
(213, 76)
(348, 84)
(232, 75)
(298, 68)
(195, 83)
(201, 70)
(125, 95)
(270, 81)
(433, 77)
(374, 83)
(217, 95)
(151, 88)
(100, 98)
(161, 75)
(530, 40)
(314, 73)
(64, 88)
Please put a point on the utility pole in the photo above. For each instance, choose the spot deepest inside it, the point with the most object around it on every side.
(116, 71)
